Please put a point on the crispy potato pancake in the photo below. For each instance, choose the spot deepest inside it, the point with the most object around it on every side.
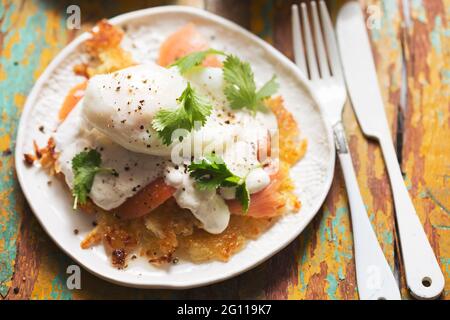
(291, 147)
(106, 54)
(170, 232)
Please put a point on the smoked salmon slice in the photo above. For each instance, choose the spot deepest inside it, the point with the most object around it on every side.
(269, 202)
(183, 42)
(73, 97)
(147, 199)
(263, 204)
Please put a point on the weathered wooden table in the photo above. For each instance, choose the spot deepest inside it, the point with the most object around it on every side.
(319, 263)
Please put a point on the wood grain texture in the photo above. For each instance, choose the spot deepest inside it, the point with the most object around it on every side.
(326, 268)
(317, 265)
(28, 42)
(427, 124)
(234, 10)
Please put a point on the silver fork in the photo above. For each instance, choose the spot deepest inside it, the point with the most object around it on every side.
(321, 64)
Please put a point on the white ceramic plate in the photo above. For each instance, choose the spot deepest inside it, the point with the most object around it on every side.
(145, 31)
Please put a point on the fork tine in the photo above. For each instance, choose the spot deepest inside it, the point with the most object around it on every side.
(297, 40)
(321, 53)
(312, 63)
(335, 64)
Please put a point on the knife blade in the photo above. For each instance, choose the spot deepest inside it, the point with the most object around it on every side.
(423, 274)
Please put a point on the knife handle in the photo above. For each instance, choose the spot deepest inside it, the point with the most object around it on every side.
(423, 274)
(374, 276)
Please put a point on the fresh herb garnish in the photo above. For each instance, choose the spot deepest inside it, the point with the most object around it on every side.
(192, 108)
(194, 59)
(243, 196)
(212, 173)
(240, 87)
(85, 165)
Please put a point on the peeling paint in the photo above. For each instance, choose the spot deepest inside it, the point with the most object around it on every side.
(324, 266)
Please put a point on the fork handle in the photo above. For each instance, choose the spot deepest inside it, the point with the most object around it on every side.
(374, 276)
(423, 275)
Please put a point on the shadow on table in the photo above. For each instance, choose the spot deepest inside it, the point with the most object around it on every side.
(92, 11)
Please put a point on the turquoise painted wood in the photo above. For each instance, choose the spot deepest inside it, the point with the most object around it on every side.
(317, 265)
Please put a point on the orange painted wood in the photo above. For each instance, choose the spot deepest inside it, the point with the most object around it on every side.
(319, 263)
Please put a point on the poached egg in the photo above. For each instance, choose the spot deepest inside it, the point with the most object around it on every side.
(115, 117)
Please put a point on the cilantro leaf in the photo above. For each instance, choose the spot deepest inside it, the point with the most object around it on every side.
(212, 173)
(167, 121)
(192, 108)
(194, 59)
(239, 83)
(268, 89)
(240, 87)
(243, 196)
(85, 165)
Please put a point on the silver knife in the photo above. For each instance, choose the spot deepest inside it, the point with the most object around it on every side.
(423, 274)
